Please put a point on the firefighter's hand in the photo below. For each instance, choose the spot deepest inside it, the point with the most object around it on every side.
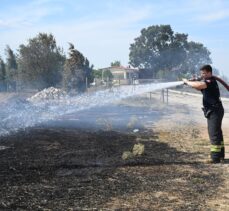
(185, 80)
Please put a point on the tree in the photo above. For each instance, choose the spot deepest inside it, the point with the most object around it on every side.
(97, 74)
(89, 71)
(2, 75)
(197, 56)
(107, 75)
(11, 69)
(41, 61)
(153, 49)
(159, 51)
(215, 71)
(116, 63)
(11, 58)
(102, 74)
(77, 71)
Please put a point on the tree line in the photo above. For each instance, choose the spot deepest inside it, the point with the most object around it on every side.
(158, 52)
(41, 63)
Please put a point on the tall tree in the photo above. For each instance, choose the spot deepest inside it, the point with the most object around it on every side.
(159, 50)
(147, 50)
(77, 71)
(41, 61)
(2, 75)
(197, 56)
(89, 71)
(11, 69)
(10, 58)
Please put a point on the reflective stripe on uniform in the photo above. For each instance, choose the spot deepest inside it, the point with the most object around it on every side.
(216, 148)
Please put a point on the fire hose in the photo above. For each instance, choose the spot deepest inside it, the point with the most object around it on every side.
(222, 82)
(216, 78)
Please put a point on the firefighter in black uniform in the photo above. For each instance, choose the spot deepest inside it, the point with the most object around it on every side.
(213, 110)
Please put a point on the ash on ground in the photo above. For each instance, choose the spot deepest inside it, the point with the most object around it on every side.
(63, 168)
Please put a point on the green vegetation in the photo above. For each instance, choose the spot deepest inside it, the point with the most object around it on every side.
(2, 75)
(77, 71)
(158, 52)
(104, 75)
(116, 63)
(41, 62)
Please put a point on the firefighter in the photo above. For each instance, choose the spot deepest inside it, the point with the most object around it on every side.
(213, 110)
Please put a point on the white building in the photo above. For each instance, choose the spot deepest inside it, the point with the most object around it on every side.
(123, 75)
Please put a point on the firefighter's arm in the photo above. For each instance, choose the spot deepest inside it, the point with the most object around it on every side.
(199, 85)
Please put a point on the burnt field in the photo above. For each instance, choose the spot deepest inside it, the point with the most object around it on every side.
(62, 166)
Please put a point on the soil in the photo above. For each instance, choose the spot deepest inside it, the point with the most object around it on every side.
(54, 167)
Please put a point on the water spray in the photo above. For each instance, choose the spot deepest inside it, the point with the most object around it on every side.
(20, 115)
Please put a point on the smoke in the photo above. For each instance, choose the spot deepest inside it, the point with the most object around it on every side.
(22, 114)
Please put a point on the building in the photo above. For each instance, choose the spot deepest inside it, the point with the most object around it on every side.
(123, 75)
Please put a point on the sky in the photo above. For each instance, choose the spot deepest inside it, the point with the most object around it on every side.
(104, 29)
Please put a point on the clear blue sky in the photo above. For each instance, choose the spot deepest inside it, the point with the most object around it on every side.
(103, 29)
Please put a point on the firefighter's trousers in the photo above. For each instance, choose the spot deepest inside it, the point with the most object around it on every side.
(215, 133)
